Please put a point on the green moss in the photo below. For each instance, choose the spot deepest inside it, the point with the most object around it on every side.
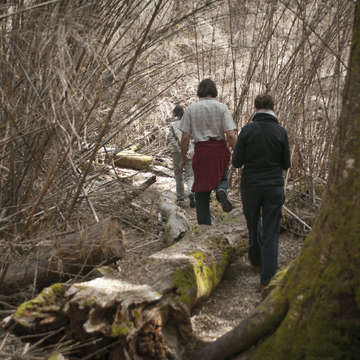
(48, 296)
(185, 282)
(199, 279)
(136, 315)
(55, 356)
(57, 289)
(166, 236)
(118, 330)
(105, 270)
(89, 302)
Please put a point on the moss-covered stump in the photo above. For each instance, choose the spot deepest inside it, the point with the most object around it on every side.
(132, 160)
(64, 257)
(147, 317)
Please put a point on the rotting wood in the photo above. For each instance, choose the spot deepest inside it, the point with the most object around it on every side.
(147, 317)
(64, 257)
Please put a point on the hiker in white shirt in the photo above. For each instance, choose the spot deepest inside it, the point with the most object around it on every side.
(174, 139)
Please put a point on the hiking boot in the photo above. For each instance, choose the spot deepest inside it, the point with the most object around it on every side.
(180, 203)
(192, 200)
(222, 198)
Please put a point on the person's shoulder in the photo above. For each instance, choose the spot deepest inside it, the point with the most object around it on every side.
(219, 103)
(188, 110)
(246, 128)
(280, 126)
(176, 123)
(250, 125)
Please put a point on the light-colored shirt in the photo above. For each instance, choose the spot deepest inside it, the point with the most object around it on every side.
(174, 138)
(207, 118)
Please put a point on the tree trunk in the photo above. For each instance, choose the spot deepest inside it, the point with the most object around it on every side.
(59, 259)
(314, 311)
(147, 317)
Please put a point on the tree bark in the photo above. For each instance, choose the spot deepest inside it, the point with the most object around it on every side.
(59, 259)
(314, 311)
(147, 317)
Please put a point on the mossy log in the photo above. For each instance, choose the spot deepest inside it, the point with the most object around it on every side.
(59, 259)
(147, 317)
(132, 160)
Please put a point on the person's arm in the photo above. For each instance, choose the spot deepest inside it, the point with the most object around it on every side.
(238, 156)
(231, 138)
(286, 161)
(185, 140)
(170, 137)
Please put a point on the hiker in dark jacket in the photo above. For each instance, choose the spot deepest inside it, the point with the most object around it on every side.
(262, 149)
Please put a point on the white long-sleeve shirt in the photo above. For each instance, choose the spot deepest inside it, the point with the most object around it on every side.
(174, 138)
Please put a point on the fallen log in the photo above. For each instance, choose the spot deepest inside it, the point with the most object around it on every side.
(176, 224)
(132, 160)
(59, 259)
(146, 317)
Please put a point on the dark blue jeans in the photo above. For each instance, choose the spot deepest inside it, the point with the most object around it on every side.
(202, 200)
(262, 209)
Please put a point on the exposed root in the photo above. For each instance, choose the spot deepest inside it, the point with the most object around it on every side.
(265, 318)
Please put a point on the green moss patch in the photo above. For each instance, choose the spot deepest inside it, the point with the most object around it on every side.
(49, 297)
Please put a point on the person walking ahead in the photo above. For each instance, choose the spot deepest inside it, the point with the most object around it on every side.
(210, 125)
(263, 149)
(174, 138)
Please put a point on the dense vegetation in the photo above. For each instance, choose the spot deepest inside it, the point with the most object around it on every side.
(77, 76)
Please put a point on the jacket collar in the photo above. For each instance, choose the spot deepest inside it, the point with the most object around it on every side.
(264, 114)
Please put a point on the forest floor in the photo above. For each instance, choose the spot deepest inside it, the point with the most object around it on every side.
(238, 292)
(233, 299)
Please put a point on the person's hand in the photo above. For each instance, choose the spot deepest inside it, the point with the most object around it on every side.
(188, 156)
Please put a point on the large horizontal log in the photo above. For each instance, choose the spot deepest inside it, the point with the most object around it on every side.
(147, 317)
(59, 259)
(132, 160)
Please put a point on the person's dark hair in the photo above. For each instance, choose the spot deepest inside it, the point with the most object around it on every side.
(178, 111)
(207, 88)
(264, 101)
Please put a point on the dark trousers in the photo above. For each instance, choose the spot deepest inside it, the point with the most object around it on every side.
(202, 200)
(262, 209)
